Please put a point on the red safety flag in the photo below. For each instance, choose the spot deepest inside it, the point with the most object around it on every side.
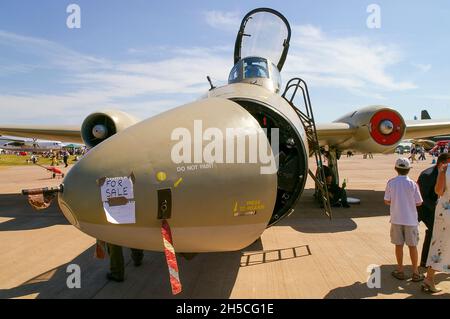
(100, 250)
(171, 258)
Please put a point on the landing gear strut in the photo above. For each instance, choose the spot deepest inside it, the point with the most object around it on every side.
(332, 155)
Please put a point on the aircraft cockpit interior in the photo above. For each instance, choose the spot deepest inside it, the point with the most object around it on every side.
(256, 70)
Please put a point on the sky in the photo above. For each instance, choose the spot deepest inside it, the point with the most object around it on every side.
(144, 57)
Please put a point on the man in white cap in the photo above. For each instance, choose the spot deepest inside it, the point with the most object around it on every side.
(403, 196)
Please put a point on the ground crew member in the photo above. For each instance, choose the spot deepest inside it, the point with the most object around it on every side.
(117, 264)
(338, 195)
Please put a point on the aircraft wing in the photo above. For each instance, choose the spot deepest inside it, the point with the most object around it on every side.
(333, 134)
(426, 128)
(336, 134)
(61, 133)
(11, 139)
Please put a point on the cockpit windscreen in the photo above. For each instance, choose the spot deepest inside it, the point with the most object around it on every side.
(255, 68)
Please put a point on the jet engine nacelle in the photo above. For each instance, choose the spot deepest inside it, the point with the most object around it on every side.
(99, 126)
(377, 129)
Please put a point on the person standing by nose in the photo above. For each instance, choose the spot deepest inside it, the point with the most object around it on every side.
(403, 196)
(439, 254)
(427, 182)
(117, 263)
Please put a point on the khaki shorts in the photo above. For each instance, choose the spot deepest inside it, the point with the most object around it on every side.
(401, 234)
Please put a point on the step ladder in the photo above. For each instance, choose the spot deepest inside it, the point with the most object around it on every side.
(307, 118)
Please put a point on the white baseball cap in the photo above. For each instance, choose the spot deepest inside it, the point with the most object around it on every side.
(403, 163)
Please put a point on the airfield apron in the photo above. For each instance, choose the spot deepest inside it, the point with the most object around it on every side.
(439, 255)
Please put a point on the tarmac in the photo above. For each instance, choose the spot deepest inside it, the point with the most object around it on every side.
(304, 256)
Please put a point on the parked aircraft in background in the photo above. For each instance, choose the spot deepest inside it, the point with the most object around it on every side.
(426, 143)
(10, 143)
(426, 116)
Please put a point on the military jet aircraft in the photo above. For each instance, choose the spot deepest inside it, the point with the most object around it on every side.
(195, 166)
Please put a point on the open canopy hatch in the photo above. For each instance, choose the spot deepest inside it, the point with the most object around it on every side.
(263, 33)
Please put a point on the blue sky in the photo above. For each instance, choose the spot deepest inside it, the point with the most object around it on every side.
(144, 57)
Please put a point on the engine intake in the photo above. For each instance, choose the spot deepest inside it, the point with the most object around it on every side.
(100, 126)
(387, 127)
(378, 129)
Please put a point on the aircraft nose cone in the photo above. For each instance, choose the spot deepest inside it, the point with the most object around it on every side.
(83, 200)
(211, 207)
(80, 201)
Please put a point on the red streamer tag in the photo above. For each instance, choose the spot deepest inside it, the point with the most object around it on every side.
(100, 250)
(171, 258)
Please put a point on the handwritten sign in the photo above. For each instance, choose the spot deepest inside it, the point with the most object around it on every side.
(118, 199)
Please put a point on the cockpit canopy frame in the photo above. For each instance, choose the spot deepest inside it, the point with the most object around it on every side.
(264, 32)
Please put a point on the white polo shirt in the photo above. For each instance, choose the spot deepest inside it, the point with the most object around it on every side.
(404, 195)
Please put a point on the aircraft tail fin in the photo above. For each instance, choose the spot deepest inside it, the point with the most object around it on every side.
(425, 115)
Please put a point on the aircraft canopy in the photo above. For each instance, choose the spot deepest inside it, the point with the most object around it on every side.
(264, 33)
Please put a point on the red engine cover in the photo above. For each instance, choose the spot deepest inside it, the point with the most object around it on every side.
(397, 133)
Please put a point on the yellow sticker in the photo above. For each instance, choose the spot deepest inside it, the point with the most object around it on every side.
(161, 176)
(178, 182)
(250, 207)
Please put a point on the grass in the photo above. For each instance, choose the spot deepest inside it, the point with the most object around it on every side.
(14, 160)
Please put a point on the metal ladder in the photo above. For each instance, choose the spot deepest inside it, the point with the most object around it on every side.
(309, 123)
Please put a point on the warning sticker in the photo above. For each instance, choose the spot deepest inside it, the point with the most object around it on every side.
(247, 208)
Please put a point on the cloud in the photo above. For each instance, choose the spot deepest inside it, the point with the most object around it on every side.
(226, 21)
(438, 97)
(54, 55)
(72, 108)
(422, 67)
(8, 69)
(352, 63)
(141, 87)
(147, 84)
